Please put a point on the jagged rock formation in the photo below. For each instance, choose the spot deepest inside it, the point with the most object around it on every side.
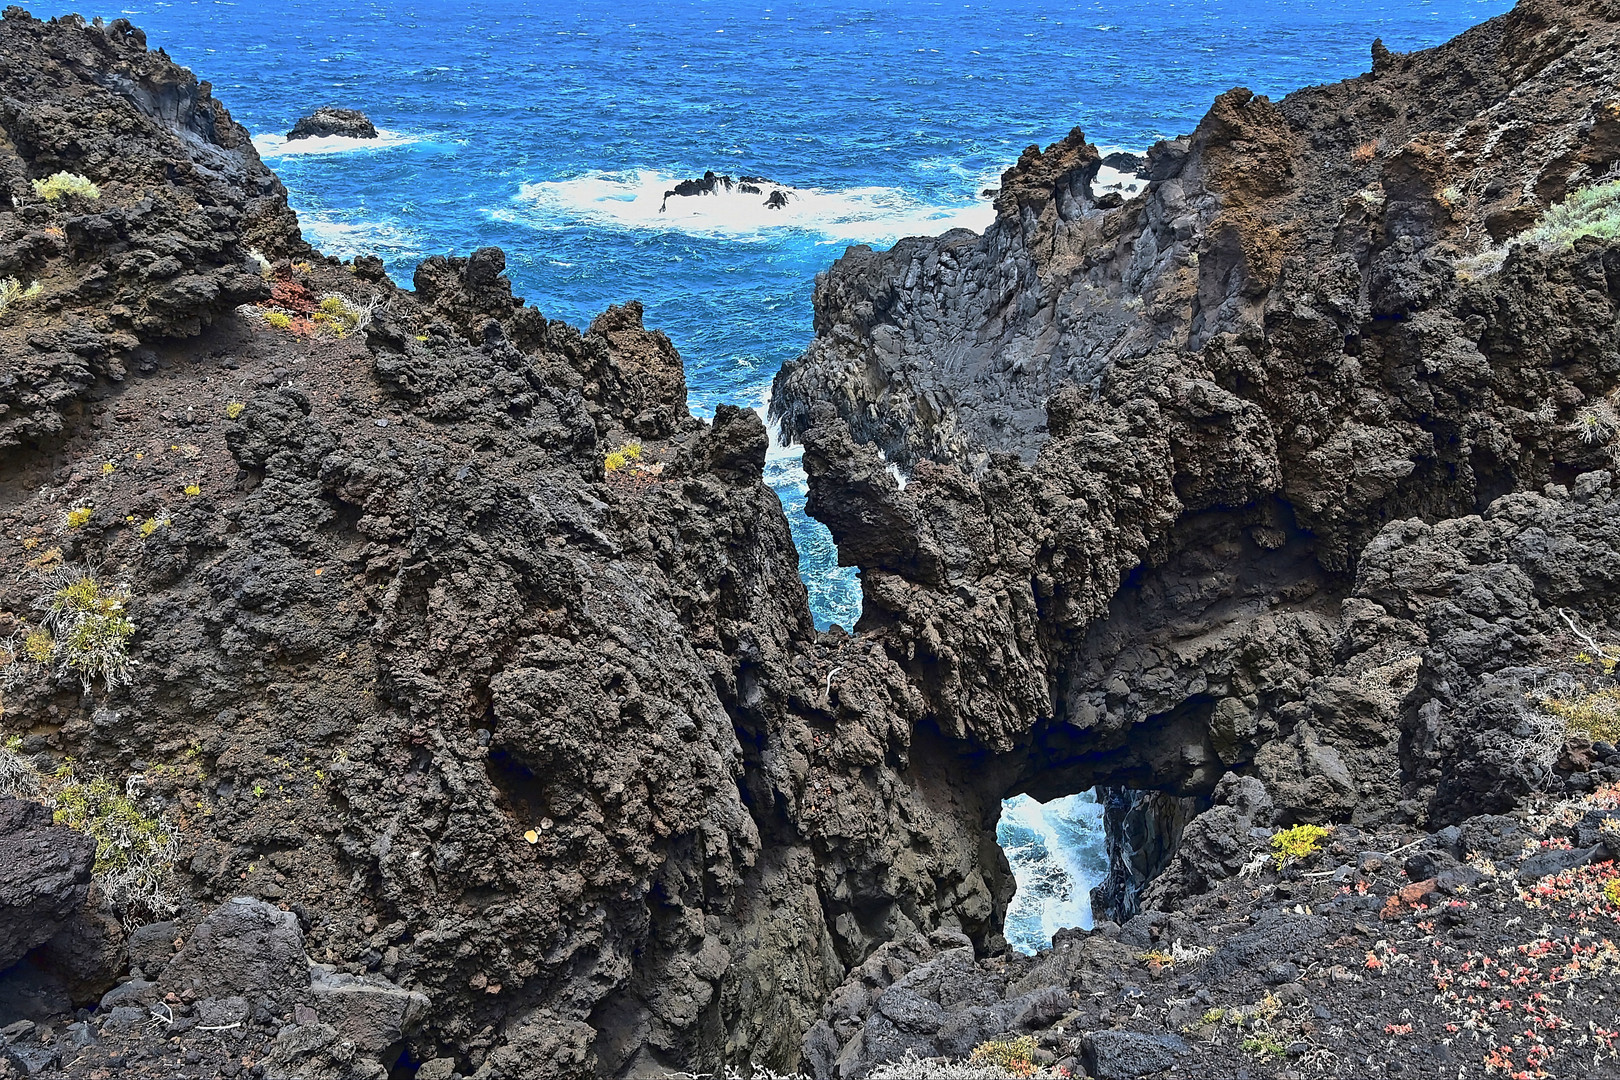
(1149, 443)
(162, 251)
(44, 877)
(330, 120)
(555, 743)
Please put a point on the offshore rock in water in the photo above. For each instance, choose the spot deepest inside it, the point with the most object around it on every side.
(327, 120)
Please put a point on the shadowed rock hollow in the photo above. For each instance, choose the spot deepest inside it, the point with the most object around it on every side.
(1242, 476)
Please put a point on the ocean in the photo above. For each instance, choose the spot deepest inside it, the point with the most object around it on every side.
(552, 129)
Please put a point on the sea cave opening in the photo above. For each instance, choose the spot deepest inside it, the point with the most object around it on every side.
(1058, 852)
(1087, 856)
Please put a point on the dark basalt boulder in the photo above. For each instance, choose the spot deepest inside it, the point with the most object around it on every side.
(44, 877)
(327, 120)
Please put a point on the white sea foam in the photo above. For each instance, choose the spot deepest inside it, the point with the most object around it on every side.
(349, 238)
(273, 146)
(1057, 853)
(635, 200)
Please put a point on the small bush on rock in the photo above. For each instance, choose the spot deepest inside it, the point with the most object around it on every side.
(1297, 843)
(18, 779)
(86, 619)
(135, 844)
(12, 290)
(59, 184)
(1591, 211)
(626, 455)
(340, 316)
(135, 848)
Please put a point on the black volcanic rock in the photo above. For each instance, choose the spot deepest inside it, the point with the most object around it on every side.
(465, 647)
(44, 877)
(328, 120)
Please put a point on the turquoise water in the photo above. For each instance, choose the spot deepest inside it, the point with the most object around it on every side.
(549, 128)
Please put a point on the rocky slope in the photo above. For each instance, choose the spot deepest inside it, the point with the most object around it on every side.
(468, 666)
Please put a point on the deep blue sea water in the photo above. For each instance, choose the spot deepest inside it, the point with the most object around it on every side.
(551, 128)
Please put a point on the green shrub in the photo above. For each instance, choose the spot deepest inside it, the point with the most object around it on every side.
(1591, 211)
(135, 848)
(1594, 713)
(340, 316)
(135, 845)
(59, 184)
(12, 290)
(1016, 1056)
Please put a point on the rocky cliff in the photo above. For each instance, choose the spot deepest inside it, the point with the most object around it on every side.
(457, 661)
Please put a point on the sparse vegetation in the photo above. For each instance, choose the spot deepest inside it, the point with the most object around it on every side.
(625, 455)
(135, 845)
(1016, 1056)
(89, 632)
(1262, 1044)
(12, 290)
(1298, 842)
(1594, 713)
(150, 526)
(341, 316)
(278, 320)
(193, 489)
(59, 184)
(1596, 424)
(77, 517)
(1364, 153)
(1591, 211)
(234, 409)
(135, 848)
(18, 779)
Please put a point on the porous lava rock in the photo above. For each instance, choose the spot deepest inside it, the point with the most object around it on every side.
(330, 120)
(462, 645)
(44, 877)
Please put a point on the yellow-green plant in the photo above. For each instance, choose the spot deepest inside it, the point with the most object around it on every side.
(278, 320)
(1595, 713)
(341, 316)
(1297, 843)
(12, 290)
(78, 516)
(135, 847)
(150, 526)
(86, 618)
(626, 454)
(234, 409)
(1016, 1056)
(1591, 211)
(1262, 1044)
(59, 184)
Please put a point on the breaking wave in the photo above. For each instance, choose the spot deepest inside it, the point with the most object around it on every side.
(1057, 853)
(635, 200)
(274, 146)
